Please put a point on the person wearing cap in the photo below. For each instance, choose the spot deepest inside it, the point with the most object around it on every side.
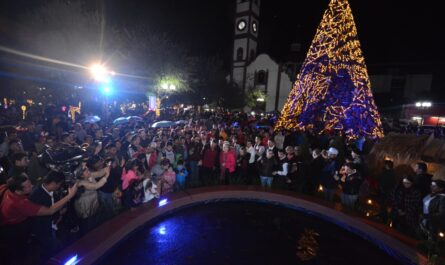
(433, 216)
(407, 203)
(330, 170)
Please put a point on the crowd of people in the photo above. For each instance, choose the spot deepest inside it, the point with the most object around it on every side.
(123, 166)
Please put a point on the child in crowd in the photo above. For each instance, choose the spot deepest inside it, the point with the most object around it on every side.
(181, 176)
(168, 179)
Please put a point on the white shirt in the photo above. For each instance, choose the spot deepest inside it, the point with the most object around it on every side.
(284, 169)
(150, 193)
(50, 193)
(251, 151)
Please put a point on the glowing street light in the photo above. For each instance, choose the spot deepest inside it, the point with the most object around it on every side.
(260, 99)
(425, 104)
(99, 72)
(167, 86)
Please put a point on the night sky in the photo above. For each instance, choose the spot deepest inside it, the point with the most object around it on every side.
(390, 31)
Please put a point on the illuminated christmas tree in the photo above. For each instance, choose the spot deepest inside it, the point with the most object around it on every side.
(332, 92)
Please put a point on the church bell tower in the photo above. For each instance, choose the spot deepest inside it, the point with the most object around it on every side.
(245, 42)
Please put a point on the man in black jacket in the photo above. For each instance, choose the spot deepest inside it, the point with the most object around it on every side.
(316, 166)
(44, 226)
(422, 180)
(267, 166)
(433, 221)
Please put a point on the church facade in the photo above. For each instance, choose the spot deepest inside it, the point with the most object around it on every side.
(251, 71)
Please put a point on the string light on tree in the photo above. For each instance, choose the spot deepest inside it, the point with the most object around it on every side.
(332, 91)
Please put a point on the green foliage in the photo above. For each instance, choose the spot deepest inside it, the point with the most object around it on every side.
(252, 96)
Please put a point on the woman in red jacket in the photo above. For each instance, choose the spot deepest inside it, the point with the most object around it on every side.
(227, 163)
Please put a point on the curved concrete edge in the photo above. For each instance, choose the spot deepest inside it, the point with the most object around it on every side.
(90, 248)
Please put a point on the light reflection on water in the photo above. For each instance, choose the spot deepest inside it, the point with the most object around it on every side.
(244, 233)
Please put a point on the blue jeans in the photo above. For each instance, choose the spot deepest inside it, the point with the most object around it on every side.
(180, 181)
(348, 200)
(266, 181)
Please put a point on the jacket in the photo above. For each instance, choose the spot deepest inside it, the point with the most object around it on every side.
(352, 184)
(228, 159)
(267, 166)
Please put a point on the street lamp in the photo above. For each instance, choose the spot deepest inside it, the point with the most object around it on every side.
(99, 72)
(167, 86)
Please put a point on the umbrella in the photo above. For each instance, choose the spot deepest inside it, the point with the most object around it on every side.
(163, 124)
(91, 119)
(120, 120)
(181, 122)
(136, 118)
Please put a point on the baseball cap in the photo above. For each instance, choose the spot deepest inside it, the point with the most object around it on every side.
(332, 151)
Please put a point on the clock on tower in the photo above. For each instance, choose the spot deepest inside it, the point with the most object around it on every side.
(245, 41)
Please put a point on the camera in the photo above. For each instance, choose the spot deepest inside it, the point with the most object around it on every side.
(64, 159)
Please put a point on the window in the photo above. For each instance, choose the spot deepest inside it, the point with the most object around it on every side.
(239, 54)
(261, 78)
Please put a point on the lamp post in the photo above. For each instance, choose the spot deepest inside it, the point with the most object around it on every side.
(101, 76)
(165, 89)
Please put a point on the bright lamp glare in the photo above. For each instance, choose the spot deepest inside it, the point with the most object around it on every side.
(107, 90)
(162, 230)
(172, 87)
(99, 72)
(71, 261)
(426, 104)
(162, 202)
(164, 86)
(418, 104)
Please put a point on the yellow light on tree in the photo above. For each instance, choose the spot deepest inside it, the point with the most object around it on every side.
(332, 92)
